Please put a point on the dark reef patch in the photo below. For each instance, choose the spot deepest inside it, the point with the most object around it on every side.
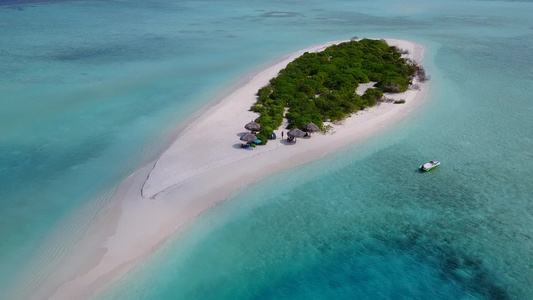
(453, 264)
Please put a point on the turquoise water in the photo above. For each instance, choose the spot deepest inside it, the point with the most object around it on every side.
(91, 89)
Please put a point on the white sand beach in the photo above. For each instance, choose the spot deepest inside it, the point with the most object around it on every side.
(204, 166)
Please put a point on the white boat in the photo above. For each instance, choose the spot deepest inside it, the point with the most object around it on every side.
(429, 166)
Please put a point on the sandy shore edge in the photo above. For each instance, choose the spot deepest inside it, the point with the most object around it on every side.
(161, 197)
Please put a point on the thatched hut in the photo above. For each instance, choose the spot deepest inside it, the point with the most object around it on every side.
(253, 126)
(295, 133)
(248, 137)
(309, 128)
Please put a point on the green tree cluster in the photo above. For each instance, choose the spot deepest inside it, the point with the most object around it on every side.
(321, 86)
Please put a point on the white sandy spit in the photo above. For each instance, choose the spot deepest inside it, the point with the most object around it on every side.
(203, 166)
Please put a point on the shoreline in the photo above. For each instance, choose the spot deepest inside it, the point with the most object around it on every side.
(165, 195)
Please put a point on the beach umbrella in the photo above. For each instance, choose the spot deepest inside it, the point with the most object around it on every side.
(310, 127)
(296, 133)
(248, 137)
(253, 126)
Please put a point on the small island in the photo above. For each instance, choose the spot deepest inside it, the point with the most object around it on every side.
(205, 163)
(321, 86)
(199, 151)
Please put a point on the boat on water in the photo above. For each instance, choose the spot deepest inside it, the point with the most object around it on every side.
(429, 166)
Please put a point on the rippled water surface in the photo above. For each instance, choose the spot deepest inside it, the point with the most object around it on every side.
(91, 89)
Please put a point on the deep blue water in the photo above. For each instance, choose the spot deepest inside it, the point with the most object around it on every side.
(90, 89)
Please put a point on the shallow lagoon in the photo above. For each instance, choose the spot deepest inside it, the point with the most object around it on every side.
(89, 94)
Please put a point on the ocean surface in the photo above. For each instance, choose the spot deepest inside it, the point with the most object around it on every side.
(91, 90)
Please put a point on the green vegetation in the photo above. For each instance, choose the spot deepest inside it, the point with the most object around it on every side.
(399, 101)
(318, 87)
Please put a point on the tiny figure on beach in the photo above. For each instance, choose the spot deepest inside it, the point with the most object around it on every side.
(281, 134)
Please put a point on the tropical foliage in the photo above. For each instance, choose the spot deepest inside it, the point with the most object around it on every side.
(318, 87)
